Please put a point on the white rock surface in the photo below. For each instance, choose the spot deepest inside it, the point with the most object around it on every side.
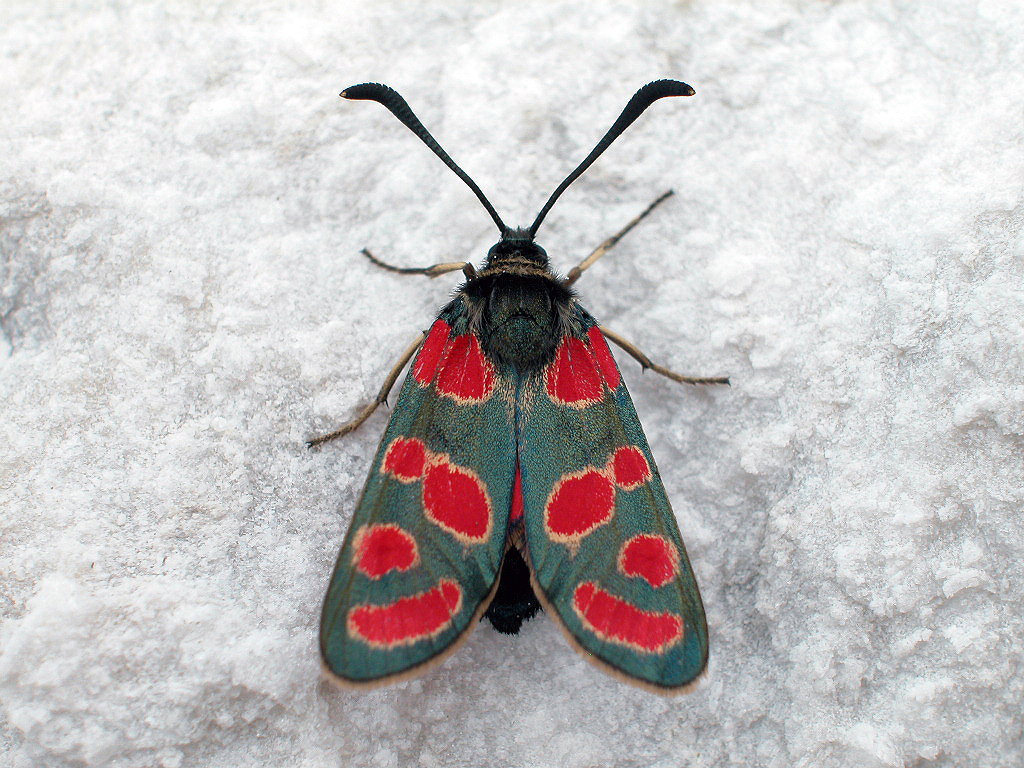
(183, 303)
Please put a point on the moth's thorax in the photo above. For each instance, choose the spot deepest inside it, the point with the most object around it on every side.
(519, 317)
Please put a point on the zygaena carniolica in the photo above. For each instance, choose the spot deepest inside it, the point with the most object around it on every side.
(514, 474)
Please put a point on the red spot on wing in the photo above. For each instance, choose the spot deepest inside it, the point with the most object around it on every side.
(517, 498)
(405, 458)
(572, 377)
(408, 619)
(456, 499)
(430, 353)
(652, 558)
(609, 369)
(614, 620)
(578, 504)
(630, 467)
(466, 375)
(383, 548)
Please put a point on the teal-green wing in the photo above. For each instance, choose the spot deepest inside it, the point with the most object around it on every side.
(603, 544)
(422, 554)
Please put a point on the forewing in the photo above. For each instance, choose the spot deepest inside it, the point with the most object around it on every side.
(422, 553)
(603, 543)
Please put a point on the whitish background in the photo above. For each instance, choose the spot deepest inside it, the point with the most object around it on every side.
(184, 197)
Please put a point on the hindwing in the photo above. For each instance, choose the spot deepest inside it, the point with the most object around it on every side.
(422, 553)
(603, 544)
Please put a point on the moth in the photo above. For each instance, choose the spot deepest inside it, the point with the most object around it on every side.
(513, 475)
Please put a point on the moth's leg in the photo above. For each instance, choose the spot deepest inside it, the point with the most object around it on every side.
(435, 271)
(382, 397)
(645, 362)
(604, 247)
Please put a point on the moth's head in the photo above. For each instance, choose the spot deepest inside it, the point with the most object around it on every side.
(516, 247)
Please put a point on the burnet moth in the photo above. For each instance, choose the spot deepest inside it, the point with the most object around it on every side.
(513, 475)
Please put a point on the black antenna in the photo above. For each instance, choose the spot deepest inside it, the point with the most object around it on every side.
(641, 100)
(400, 109)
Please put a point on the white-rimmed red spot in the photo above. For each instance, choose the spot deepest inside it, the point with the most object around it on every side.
(430, 353)
(455, 499)
(466, 375)
(630, 468)
(579, 503)
(609, 369)
(614, 620)
(572, 377)
(652, 558)
(383, 548)
(408, 619)
(405, 458)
